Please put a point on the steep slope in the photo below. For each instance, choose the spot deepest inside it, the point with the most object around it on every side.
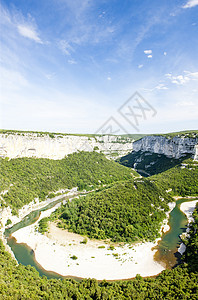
(174, 147)
(128, 211)
(148, 163)
(181, 180)
(158, 153)
(24, 179)
(14, 144)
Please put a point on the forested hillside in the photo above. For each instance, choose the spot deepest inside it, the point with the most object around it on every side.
(24, 282)
(184, 133)
(127, 212)
(28, 178)
(182, 179)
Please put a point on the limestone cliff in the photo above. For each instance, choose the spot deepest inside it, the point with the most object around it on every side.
(57, 146)
(174, 147)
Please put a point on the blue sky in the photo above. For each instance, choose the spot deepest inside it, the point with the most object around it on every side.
(69, 65)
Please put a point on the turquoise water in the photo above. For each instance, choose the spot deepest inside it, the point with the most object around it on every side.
(32, 217)
(23, 253)
(167, 247)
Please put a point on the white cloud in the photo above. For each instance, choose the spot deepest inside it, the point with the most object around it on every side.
(148, 51)
(192, 75)
(140, 66)
(65, 47)
(191, 3)
(165, 53)
(150, 56)
(109, 78)
(161, 86)
(13, 20)
(72, 62)
(183, 79)
(29, 32)
(180, 79)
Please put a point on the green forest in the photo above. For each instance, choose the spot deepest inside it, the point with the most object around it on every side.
(24, 282)
(182, 181)
(41, 133)
(184, 133)
(30, 178)
(126, 212)
(124, 137)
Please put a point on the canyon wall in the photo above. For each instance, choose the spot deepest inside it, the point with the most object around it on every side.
(57, 146)
(172, 147)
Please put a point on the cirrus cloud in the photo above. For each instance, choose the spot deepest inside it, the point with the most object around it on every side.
(190, 3)
(29, 32)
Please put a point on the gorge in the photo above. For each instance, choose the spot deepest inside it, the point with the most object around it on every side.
(119, 207)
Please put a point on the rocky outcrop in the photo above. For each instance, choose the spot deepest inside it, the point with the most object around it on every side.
(196, 153)
(175, 147)
(58, 146)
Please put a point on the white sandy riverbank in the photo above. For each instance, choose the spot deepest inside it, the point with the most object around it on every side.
(165, 227)
(187, 208)
(6, 213)
(54, 252)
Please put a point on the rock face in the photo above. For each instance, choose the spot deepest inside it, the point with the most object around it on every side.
(196, 153)
(57, 147)
(174, 147)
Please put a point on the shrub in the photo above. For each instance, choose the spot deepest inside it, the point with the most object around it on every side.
(74, 257)
(84, 241)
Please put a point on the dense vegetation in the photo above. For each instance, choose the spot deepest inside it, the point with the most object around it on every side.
(135, 136)
(182, 180)
(42, 133)
(28, 178)
(43, 225)
(124, 137)
(150, 163)
(24, 282)
(184, 133)
(126, 212)
(180, 175)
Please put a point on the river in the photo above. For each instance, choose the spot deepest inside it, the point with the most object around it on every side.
(167, 246)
